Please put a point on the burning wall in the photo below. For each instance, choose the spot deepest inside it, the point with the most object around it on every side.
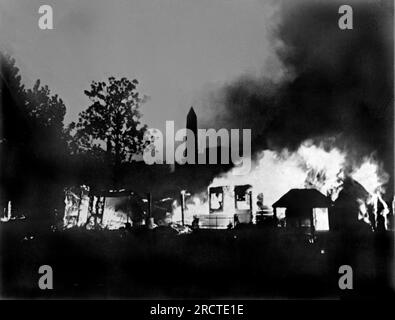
(110, 209)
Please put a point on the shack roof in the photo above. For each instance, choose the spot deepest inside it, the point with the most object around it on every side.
(302, 198)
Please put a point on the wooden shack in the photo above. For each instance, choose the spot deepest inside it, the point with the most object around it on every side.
(303, 208)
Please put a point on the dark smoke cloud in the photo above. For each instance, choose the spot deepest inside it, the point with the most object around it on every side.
(336, 83)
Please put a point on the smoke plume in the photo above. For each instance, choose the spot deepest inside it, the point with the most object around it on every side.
(336, 87)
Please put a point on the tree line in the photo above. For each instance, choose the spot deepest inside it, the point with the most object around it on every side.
(40, 155)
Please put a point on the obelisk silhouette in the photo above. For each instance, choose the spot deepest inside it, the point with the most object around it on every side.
(192, 125)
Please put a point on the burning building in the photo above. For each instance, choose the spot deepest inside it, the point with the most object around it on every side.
(110, 209)
(319, 177)
(226, 206)
(357, 209)
(303, 208)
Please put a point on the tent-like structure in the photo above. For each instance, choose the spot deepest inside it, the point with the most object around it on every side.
(304, 208)
(347, 214)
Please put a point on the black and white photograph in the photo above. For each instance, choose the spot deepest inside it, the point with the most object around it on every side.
(179, 150)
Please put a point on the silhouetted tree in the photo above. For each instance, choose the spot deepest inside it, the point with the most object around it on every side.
(14, 131)
(33, 144)
(110, 127)
(12, 102)
(47, 113)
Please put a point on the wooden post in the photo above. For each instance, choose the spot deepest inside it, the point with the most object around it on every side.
(90, 207)
(149, 198)
(251, 211)
(79, 206)
(182, 206)
(103, 205)
(312, 227)
(209, 201)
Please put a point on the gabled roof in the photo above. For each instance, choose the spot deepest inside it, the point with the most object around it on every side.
(302, 198)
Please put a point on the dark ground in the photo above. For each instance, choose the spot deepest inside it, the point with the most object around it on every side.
(247, 263)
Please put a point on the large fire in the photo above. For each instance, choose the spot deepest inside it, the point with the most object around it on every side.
(311, 166)
(272, 175)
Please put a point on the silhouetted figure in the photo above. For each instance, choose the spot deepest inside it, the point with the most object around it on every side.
(236, 220)
(259, 202)
(195, 223)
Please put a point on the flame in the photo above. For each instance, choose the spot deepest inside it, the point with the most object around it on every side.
(275, 173)
(371, 176)
(272, 174)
